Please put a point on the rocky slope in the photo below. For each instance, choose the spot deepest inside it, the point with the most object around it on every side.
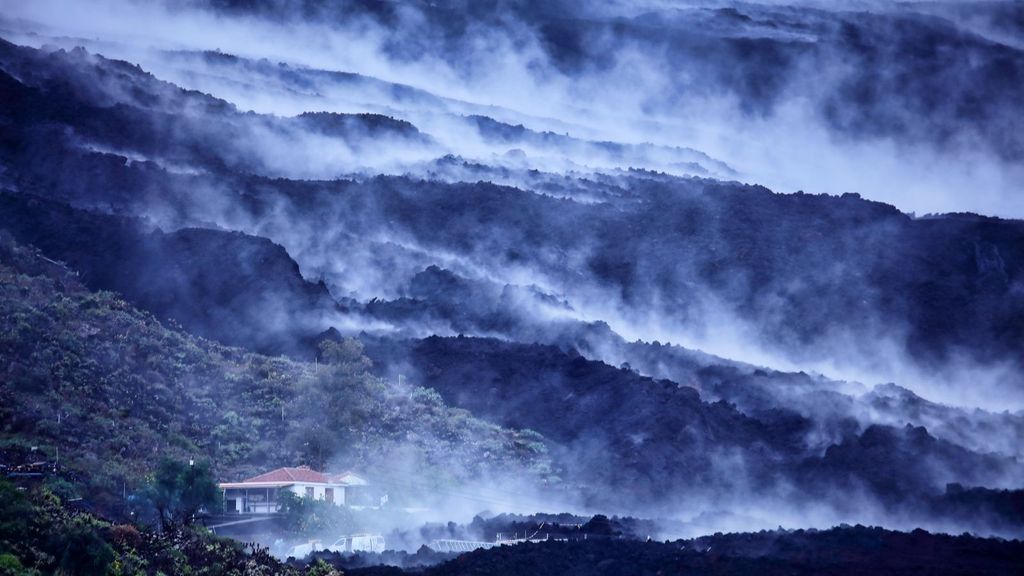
(556, 285)
(110, 389)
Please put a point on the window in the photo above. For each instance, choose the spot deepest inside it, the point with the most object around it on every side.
(309, 491)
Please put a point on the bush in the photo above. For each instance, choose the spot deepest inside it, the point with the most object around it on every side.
(83, 551)
(307, 517)
(179, 491)
(11, 566)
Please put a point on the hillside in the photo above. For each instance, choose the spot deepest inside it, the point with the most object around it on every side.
(617, 432)
(228, 286)
(749, 274)
(684, 250)
(114, 390)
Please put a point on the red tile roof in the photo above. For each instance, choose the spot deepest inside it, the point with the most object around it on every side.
(300, 474)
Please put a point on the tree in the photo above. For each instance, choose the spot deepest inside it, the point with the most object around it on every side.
(83, 551)
(309, 517)
(346, 355)
(178, 491)
(16, 513)
(339, 406)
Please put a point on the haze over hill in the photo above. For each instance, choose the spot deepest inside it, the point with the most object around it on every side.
(728, 265)
(820, 96)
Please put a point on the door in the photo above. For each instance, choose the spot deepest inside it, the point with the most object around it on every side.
(329, 494)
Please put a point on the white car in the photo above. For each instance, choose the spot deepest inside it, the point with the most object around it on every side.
(345, 544)
(358, 543)
(302, 550)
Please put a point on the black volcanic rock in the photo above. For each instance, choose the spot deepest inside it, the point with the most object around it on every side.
(238, 289)
(943, 289)
(842, 551)
(615, 431)
(651, 430)
(897, 463)
(548, 221)
(357, 126)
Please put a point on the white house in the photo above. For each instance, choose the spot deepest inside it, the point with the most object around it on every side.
(259, 494)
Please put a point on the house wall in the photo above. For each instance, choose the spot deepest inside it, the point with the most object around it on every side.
(252, 500)
(259, 501)
(319, 492)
